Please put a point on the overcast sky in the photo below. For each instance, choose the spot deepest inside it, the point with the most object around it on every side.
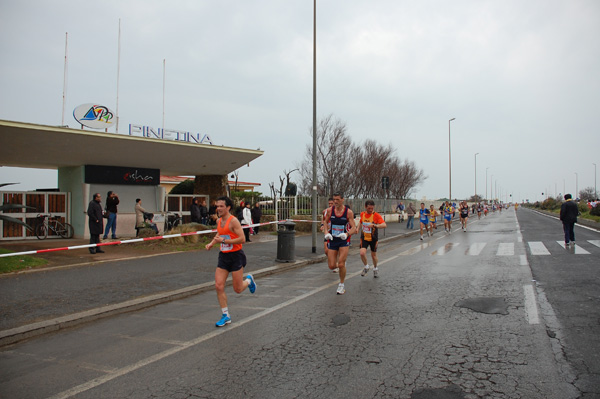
(522, 79)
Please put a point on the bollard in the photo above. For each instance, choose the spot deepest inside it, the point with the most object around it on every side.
(286, 245)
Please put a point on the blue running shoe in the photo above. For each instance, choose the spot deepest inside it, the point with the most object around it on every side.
(252, 285)
(224, 320)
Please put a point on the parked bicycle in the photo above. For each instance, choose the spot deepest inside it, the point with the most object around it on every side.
(49, 223)
(172, 220)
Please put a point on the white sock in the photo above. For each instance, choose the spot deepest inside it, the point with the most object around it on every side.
(367, 266)
(225, 311)
(376, 269)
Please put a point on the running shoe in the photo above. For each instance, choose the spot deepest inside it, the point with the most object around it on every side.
(252, 285)
(364, 271)
(375, 272)
(429, 233)
(421, 238)
(341, 290)
(336, 270)
(224, 320)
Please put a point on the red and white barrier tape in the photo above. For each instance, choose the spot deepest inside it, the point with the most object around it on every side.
(104, 244)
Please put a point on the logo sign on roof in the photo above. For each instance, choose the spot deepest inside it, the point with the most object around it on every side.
(94, 116)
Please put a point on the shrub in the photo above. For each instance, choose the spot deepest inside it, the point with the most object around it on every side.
(189, 228)
(550, 204)
(583, 208)
(595, 211)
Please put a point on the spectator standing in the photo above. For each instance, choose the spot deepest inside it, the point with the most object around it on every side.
(112, 200)
(203, 213)
(96, 222)
(212, 213)
(246, 220)
(410, 212)
(195, 211)
(568, 215)
(256, 216)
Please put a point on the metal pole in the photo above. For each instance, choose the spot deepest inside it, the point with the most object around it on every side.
(595, 191)
(65, 80)
(163, 110)
(486, 169)
(314, 132)
(475, 198)
(576, 186)
(118, 75)
(450, 162)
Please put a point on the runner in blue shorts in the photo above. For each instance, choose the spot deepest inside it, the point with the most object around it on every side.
(448, 211)
(424, 219)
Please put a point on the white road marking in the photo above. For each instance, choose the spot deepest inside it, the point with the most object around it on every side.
(475, 248)
(538, 248)
(446, 248)
(506, 249)
(595, 242)
(531, 305)
(577, 250)
(414, 250)
(524, 260)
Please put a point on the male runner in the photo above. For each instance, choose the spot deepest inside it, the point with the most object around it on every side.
(432, 218)
(369, 224)
(338, 237)
(231, 258)
(325, 229)
(424, 214)
(464, 215)
(448, 212)
(479, 209)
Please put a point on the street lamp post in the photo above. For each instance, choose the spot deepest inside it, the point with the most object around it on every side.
(450, 161)
(314, 132)
(476, 176)
(595, 191)
(576, 186)
(486, 169)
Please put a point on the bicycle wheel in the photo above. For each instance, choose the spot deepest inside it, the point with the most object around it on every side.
(65, 230)
(41, 231)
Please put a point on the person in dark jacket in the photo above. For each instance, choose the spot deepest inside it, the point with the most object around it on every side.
(195, 211)
(96, 222)
(568, 215)
(256, 215)
(112, 200)
(204, 213)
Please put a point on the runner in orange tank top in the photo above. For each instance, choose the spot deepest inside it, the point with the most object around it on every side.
(231, 257)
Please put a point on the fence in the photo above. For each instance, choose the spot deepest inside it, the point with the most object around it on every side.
(54, 203)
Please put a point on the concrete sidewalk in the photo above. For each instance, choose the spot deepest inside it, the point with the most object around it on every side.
(79, 287)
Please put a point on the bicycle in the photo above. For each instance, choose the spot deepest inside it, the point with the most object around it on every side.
(63, 229)
(172, 220)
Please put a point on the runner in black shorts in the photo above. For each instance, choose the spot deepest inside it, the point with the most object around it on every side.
(370, 222)
(232, 259)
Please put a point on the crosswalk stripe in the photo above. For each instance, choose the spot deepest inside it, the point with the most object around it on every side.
(416, 249)
(445, 249)
(506, 249)
(577, 250)
(538, 248)
(475, 248)
(595, 242)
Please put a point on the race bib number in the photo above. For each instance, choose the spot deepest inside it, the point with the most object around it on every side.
(367, 228)
(226, 247)
(337, 229)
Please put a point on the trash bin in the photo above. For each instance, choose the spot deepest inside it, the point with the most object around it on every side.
(286, 244)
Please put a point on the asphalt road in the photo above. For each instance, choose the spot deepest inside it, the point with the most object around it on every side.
(474, 314)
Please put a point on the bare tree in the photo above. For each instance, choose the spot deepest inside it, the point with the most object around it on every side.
(356, 169)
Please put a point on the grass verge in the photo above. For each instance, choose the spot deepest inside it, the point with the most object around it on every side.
(21, 262)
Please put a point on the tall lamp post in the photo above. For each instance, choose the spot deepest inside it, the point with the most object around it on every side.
(595, 191)
(576, 186)
(314, 151)
(450, 161)
(486, 169)
(476, 175)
